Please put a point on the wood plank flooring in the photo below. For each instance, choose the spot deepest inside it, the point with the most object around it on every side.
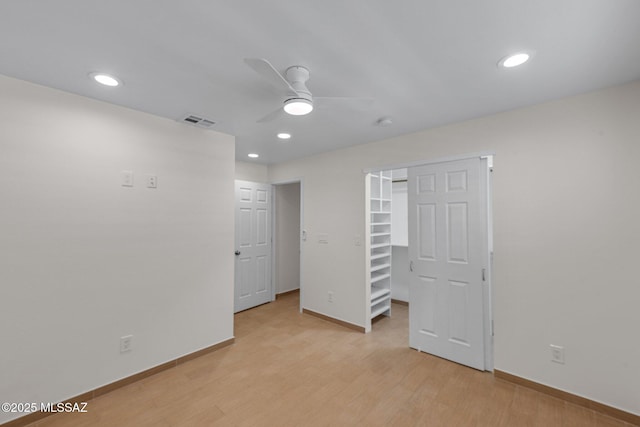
(291, 369)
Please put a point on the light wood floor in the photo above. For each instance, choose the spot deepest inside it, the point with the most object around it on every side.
(290, 369)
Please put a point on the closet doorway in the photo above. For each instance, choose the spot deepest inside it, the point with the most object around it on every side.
(441, 255)
(287, 238)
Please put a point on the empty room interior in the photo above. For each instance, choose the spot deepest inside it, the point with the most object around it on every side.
(319, 213)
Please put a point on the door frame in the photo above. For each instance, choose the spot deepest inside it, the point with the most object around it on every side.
(301, 235)
(487, 183)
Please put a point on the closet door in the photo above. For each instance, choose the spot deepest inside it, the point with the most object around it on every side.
(446, 238)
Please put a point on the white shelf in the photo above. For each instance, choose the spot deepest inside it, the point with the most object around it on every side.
(380, 245)
(380, 233)
(381, 300)
(378, 311)
(376, 279)
(379, 267)
(377, 292)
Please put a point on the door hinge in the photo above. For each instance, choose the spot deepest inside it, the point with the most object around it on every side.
(484, 279)
(492, 334)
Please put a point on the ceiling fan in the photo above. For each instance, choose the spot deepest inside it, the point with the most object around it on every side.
(298, 100)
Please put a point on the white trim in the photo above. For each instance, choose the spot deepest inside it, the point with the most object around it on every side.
(486, 163)
(287, 181)
(273, 242)
(367, 249)
(482, 155)
(301, 244)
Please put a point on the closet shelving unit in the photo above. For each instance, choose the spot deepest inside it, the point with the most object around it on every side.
(380, 209)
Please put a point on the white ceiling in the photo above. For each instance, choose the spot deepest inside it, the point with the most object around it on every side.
(425, 62)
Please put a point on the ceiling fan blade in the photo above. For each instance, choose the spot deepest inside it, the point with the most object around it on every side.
(356, 103)
(272, 116)
(268, 72)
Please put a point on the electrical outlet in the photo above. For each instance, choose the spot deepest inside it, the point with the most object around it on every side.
(330, 296)
(557, 354)
(126, 343)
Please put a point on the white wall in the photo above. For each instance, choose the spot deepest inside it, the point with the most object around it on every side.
(333, 201)
(400, 273)
(84, 261)
(399, 237)
(566, 209)
(287, 237)
(254, 172)
(399, 214)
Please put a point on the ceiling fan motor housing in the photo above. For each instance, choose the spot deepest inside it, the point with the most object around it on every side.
(297, 76)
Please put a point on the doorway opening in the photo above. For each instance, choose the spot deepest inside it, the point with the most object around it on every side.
(287, 239)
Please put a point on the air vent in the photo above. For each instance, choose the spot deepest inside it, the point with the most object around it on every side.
(198, 121)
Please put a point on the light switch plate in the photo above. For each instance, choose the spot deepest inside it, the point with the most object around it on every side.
(152, 181)
(126, 178)
(126, 343)
(557, 354)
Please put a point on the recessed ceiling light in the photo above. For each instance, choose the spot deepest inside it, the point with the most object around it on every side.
(514, 60)
(105, 79)
(284, 135)
(254, 155)
(298, 106)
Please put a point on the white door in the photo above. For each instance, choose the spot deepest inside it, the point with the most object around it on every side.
(447, 250)
(253, 245)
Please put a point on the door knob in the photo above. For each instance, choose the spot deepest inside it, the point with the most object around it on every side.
(237, 253)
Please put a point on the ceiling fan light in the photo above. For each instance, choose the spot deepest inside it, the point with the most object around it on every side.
(298, 106)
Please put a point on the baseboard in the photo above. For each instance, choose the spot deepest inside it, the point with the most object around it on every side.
(570, 397)
(85, 397)
(399, 302)
(293, 291)
(336, 321)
